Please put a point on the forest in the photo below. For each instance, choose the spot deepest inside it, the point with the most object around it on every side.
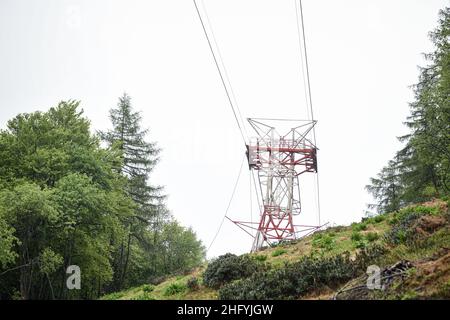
(420, 170)
(71, 197)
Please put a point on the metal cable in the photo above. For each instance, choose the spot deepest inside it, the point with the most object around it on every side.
(229, 204)
(308, 82)
(220, 73)
(225, 72)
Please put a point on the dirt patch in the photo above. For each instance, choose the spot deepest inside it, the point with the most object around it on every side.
(428, 224)
(437, 267)
(322, 294)
(442, 205)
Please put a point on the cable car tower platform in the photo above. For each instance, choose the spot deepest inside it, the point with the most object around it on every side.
(279, 154)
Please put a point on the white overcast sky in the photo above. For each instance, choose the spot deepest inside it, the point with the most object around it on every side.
(363, 57)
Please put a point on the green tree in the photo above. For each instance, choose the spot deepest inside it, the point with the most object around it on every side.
(180, 249)
(387, 188)
(422, 166)
(139, 158)
(61, 203)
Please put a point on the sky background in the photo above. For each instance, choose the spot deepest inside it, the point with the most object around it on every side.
(363, 56)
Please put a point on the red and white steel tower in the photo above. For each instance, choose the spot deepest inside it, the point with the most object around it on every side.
(279, 156)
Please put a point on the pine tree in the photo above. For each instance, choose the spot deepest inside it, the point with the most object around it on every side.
(422, 166)
(139, 157)
(387, 188)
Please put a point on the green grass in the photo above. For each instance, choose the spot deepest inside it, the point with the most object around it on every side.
(278, 252)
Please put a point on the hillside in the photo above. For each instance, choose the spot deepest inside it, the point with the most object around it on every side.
(411, 247)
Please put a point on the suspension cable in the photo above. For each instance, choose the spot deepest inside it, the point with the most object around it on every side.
(225, 72)
(233, 108)
(308, 83)
(229, 204)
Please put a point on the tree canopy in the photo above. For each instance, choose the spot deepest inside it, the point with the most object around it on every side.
(421, 169)
(66, 200)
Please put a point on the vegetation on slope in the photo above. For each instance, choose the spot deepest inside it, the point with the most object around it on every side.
(314, 268)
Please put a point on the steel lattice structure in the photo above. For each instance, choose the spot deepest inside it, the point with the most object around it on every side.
(279, 158)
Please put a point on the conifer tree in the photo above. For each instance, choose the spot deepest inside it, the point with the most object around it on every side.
(139, 157)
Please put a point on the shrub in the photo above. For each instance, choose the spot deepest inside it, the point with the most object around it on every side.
(379, 218)
(278, 252)
(192, 284)
(293, 280)
(360, 244)
(324, 241)
(148, 288)
(359, 226)
(356, 236)
(368, 255)
(358, 240)
(372, 236)
(296, 279)
(229, 267)
(401, 231)
(260, 257)
(174, 288)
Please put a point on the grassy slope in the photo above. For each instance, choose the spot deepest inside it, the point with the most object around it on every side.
(430, 276)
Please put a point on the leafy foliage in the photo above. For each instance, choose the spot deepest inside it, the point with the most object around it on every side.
(421, 169)
(296, 279)
(229, 267)
(65, 201)
(401, 231)
(324, 241)
(291, 281)
(148, 288)
(359, 226)
(372, 236)
(175, 288)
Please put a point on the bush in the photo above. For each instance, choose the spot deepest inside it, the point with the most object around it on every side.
(358, 240)
(360, 244)
(229, 267)
(297, 279)
(148, 288)
(401, 231)
(293, 280)
(368, 255)
(192, 284)
(278, 252)
(379, 218)
(359, 226)
(372, 236)
(260, 257)
(356, 236)
(324, 241)
(174, 288)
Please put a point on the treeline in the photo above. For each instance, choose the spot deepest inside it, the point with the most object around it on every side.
(421, 169)
(71, 197)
